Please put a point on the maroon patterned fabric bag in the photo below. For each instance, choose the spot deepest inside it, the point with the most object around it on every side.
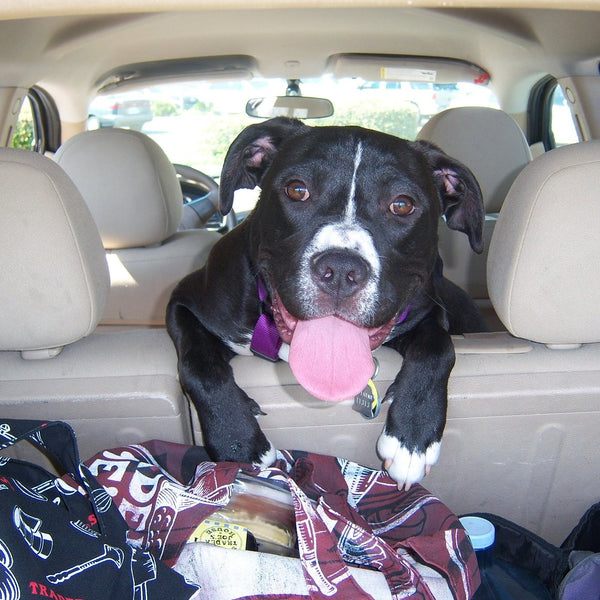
(346, 514)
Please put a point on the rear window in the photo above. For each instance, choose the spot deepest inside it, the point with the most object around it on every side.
(195, 122)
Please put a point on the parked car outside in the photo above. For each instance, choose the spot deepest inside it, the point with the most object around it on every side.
(420, 93)
(120, 110)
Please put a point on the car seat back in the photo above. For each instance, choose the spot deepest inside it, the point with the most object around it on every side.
(133, 193)
(493, 146)
(110, 387)
(54, 274)
(545, 253)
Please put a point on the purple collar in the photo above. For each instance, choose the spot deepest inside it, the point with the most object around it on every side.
(403, 316)
(265, 337)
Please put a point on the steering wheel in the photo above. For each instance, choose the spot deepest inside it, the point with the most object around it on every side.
(200, 197)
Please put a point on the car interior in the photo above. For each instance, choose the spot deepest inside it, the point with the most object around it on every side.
(93, 236)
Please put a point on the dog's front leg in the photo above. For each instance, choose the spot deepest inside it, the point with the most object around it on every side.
(410, 442)
(227, 414)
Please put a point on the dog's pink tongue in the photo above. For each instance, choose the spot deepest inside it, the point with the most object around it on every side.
(331, 358)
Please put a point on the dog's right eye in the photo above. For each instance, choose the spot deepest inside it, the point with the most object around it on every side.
(296, 190)
(402, 206)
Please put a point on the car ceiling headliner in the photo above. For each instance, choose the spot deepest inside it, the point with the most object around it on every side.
(64, 44)
(11, 9)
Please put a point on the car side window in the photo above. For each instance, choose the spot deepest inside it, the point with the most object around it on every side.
(562, 125)
(38, 126)
(24, 136)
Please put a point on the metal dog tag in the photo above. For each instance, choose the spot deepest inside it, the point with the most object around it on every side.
(368, 403)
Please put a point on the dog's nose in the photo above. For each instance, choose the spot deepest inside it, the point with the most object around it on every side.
(339, 273)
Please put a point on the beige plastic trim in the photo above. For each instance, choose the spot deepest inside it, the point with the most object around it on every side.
(570, 87)
(11, 100)
(42, 354)
(114, 389)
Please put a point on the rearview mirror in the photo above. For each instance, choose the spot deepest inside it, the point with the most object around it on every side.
(297, 107)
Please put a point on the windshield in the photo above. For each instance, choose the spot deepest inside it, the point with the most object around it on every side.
(195, 123)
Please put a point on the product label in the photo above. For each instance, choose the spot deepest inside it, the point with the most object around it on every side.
(219, 533)
(407, 74)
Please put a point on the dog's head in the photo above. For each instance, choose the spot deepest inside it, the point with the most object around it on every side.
(346, 223)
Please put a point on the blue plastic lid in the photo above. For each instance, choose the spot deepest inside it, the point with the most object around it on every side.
(481, 532)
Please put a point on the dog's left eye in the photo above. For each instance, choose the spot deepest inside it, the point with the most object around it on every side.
(402, 206)
(297, 191)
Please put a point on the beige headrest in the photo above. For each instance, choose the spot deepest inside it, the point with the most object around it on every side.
(544, 258)
(53, 267)
(128, 183)
(488, 141)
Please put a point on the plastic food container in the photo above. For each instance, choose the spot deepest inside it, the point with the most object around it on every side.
(260, 516)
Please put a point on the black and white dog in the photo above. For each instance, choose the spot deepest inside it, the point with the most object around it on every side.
(341, 254)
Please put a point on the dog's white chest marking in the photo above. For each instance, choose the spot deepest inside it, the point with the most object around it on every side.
(244, 349)
(241, 349)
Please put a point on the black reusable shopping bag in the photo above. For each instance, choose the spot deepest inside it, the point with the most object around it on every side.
(62, 537)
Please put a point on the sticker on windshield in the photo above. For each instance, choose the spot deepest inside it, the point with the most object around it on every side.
(406, 74)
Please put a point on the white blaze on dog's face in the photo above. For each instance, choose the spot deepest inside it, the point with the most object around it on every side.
(345, 234)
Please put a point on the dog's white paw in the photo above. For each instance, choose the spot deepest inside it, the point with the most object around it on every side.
(403, 466)
(268, 458)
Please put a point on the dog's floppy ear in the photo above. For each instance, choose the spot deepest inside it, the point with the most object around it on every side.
(251, 154)
(462, 200)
